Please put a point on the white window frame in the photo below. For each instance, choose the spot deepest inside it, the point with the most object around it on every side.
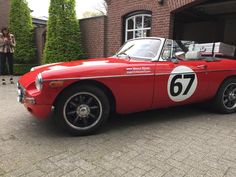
(134, 30)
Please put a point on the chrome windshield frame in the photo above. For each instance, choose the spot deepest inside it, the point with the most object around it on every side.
(156, 58)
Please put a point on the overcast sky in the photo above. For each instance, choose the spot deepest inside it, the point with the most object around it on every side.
(40, 8)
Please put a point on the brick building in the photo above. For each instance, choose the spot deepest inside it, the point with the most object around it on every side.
(93, 32)
(200, 20)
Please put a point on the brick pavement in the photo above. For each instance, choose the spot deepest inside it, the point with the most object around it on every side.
(177, 142)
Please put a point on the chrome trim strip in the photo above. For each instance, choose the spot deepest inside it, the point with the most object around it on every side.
(231, 70)
(99, 77)
(165, 74)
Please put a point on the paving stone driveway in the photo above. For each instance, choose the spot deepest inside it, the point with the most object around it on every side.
(185, 141)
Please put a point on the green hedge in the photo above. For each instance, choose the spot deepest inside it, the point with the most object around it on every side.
(20, 69)
(21, 27)
(63, 41)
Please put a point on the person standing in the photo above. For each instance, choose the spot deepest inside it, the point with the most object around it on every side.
(7, 44)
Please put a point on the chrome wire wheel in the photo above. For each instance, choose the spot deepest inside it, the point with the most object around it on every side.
(82, 111)
(229, 96)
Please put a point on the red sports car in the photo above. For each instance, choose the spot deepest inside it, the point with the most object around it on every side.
(146, 73)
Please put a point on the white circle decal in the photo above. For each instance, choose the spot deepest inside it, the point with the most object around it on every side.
(182, 83)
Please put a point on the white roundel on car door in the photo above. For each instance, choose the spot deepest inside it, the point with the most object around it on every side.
(182, 83)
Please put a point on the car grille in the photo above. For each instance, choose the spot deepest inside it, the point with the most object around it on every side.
(21, 93)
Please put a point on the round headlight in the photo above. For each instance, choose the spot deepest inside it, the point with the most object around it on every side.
(39, 82)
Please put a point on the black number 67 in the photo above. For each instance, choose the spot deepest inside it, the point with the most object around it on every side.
(174, 84)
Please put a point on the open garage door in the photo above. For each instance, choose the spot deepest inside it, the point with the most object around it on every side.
(211, 21)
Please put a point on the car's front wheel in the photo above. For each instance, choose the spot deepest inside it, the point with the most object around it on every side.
(82, 110)
(225, 100)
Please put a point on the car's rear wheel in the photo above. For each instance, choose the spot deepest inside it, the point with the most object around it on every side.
(225, 100)
(82, 110)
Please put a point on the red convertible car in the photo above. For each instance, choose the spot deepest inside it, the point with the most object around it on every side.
(146, 73)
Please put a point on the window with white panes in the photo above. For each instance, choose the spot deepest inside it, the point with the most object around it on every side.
(138, 26)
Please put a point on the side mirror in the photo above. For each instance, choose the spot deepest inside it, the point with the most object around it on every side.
(179, 54)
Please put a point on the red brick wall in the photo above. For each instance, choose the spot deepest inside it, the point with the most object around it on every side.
(4, 12)
(162, 18)
(93, 36)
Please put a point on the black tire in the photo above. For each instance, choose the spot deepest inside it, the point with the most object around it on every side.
(225, 100)
(82, 110)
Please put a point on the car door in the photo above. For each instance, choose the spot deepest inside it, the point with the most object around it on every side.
(179, 82)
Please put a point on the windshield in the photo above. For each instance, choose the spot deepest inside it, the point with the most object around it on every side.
(142, 48)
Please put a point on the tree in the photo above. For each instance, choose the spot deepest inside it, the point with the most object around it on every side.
(63, 41)
(102, 8)
(89, 14)
(22, 28)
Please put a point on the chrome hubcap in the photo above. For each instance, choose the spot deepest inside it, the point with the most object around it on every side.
(229, 97)
(83, 111)
(232, 96)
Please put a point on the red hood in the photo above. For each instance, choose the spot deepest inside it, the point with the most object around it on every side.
(75, 69)
(78, 63)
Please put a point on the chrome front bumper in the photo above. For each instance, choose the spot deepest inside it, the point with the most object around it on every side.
(21, 93)
(22, 98)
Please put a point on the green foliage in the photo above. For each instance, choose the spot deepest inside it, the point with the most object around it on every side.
(89, 14)
(22, 28)
(20, 69)
(63, 35)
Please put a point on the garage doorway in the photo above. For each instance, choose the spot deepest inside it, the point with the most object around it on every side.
(211, 21)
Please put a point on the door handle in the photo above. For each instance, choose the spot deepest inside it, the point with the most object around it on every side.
(202, 66)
